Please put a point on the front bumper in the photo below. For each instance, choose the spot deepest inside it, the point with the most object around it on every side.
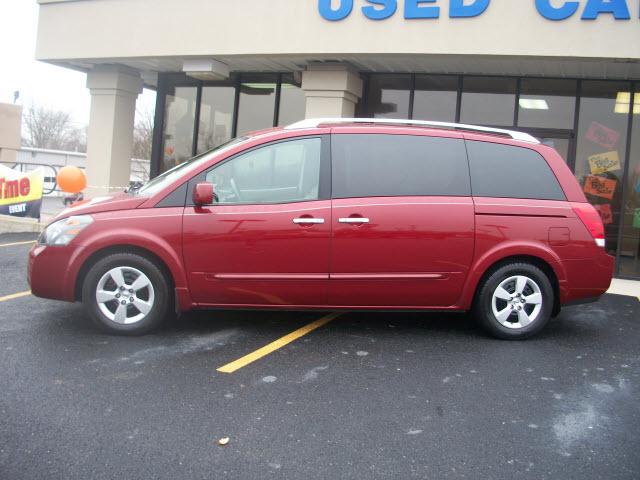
(52, 271)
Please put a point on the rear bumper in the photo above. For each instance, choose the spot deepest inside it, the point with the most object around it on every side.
(587, 279)
(51, 271)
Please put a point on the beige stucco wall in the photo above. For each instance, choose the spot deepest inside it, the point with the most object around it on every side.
(10, 123)
(10, 131)
(160, 28)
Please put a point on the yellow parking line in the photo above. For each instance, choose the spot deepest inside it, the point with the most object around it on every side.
(16, 243)
(15, 295)
(273, 346)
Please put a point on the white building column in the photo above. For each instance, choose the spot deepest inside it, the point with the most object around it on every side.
(114, 91)
(10, 132)
(332, 90)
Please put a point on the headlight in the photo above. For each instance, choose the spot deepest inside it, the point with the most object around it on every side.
(65, 230)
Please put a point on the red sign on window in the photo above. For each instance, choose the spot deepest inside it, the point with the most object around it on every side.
(603, 136)
(605, 213)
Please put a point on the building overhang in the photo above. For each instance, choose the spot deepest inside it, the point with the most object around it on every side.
(509, 38)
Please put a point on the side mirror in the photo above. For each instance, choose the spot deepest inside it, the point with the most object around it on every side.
(203, 194)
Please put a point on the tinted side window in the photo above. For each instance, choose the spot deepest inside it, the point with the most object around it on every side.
(506, 171)
(278, 173)
(367, 165)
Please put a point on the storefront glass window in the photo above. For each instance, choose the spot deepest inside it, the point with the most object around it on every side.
(547, 103)
(216, 116)
(435, 98)
(292, 102)
(388, 96)
(600, 157)
(630, 246)
(179, 122)
(488, 101)
(257, 102)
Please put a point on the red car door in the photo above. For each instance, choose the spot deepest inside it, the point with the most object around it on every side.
(266, 240)
(402, 218)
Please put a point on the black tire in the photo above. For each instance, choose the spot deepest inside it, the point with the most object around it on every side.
(483, 308)
(162, 301)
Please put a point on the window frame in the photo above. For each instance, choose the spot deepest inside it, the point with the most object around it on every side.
(324, 186)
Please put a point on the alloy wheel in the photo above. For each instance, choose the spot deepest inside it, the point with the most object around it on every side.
(517, 302)
(125, 295)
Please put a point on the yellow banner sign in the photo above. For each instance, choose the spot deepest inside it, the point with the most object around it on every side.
(20, 193)
(604, 162)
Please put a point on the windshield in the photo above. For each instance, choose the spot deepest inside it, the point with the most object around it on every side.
(156, 184)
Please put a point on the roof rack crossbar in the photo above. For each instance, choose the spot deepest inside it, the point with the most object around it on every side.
(315, 122)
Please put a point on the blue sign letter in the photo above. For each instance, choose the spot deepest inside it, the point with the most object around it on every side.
(457, 8)
(412, 9)
(596, 7)
(374, 13)
(559, 13)
(328, 13)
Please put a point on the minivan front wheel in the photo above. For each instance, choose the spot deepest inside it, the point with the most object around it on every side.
(515, 301)
(126, 294)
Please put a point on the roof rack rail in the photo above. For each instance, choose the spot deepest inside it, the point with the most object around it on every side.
(315, 122)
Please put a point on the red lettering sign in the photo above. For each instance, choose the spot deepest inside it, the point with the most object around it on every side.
(605, 213)
(25, 187)
(10, 188)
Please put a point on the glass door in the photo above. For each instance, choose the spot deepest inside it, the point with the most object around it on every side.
(562, 140)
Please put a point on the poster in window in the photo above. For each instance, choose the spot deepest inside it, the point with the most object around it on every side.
(636, 218)
(605, 213)
(600, 186)
(604, 162)
(603, 136)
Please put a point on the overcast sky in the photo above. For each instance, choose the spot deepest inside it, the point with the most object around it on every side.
(40, 83)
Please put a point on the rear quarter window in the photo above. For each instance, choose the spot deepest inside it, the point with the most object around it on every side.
(507, 171)
(375, 165)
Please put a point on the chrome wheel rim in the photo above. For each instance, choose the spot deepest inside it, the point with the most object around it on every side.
(517, 302)
(125, 295)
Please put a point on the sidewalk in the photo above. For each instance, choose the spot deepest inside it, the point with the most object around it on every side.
(630, 288)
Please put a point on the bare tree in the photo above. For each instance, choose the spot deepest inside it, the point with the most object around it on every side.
(143, 134)
(52, 129)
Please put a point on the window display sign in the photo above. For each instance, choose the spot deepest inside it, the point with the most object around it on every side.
(605, 213)
(600, 187)
(603, 136)
(604, 162)
(20, 193)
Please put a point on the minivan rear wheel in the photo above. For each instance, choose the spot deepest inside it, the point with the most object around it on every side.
(514, 302)
(126, 294)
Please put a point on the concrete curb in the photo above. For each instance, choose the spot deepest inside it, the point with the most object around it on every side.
(9, 224)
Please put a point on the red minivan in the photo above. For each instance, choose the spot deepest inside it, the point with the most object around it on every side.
(336, 214)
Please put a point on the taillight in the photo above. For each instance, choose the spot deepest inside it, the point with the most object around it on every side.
(592, 220)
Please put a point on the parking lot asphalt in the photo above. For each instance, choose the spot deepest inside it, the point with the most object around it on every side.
(368, 395)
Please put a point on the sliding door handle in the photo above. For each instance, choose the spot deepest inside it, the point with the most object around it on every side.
(353, 220)
(308, 221)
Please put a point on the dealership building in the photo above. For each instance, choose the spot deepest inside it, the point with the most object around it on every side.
(567, 72)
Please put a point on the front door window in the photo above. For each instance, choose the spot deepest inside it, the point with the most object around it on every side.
(280, 173)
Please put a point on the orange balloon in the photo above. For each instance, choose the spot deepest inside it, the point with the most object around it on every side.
(71, 179)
